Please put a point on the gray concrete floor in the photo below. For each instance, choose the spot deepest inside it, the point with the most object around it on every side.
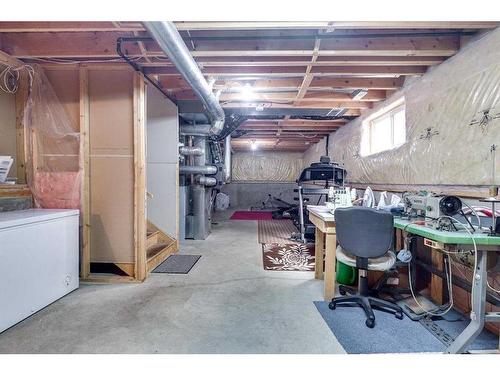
(226, 304)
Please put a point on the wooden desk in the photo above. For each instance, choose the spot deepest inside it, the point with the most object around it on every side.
(326, 246)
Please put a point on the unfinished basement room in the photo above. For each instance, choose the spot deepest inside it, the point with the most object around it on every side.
(211, 186)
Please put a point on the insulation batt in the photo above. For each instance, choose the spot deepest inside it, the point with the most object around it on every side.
(447, 99)
(267, 166)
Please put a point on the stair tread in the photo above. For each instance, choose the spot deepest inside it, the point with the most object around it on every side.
(152, 233)
(157, 248)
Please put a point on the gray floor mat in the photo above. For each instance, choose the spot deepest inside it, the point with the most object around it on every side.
(177, 263)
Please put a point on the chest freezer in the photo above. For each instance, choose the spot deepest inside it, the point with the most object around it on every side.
(39, 254)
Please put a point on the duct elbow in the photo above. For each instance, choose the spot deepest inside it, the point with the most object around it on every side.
(206, 181)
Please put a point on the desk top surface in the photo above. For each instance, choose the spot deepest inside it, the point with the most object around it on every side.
(452, 238)
(322, 212)
(460, 237)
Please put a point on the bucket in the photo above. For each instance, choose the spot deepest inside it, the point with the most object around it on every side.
(346, 275)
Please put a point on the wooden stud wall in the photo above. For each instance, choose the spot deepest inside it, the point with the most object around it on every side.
(107, 105)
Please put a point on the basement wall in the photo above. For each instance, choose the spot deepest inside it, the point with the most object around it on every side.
(446, 99)
(8, 128)
(257, 174)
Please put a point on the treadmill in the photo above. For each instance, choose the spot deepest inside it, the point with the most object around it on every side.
(331, 174)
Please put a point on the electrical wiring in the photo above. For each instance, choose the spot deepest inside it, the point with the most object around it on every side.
(72, 62)
(475, 213)
(448, 272)
(450, 291)
(9, 78)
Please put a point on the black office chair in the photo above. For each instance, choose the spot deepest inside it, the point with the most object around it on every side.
(365, 238)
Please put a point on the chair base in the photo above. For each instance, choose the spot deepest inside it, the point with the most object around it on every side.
(367, 302)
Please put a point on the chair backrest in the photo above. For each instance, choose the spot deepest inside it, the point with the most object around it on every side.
(364, 232)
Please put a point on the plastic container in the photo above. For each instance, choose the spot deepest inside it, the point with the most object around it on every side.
(346, 275)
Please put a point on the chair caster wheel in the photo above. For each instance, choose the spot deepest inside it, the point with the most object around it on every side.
(342, 292)
(331, 306)
(370, 323)
(399, 315)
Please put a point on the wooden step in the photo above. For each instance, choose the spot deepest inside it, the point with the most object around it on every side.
(152, 239)
(155, 249)
(159, 252)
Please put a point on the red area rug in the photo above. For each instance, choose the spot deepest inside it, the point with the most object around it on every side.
(252, 215)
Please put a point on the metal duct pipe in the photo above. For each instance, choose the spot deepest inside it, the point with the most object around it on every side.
(206, 181)
(227, 157)
(191, 151)
(199, 130)
(170, 41)
(198, 169)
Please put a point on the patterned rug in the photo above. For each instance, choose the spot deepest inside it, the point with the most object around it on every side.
(288, 257)
(276, 231)
(252, 215)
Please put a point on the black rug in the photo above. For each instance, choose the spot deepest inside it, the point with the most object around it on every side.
(177, 263)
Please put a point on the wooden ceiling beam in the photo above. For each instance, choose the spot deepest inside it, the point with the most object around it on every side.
(295, 123)
(268, 61)
(307, 105)
(102, 44)
(371, 96)
(263, 85)
(63, 26)
(351, 105)
(336, 25)
(340, 83)
(295, 71)
(59, 26)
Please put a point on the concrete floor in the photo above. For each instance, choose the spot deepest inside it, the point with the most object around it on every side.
(226, 304)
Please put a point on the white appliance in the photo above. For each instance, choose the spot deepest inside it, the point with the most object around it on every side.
(39, 254)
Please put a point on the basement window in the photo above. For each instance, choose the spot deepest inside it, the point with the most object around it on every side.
(384, 130)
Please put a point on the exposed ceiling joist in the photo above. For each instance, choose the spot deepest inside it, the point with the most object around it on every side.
(334, 25)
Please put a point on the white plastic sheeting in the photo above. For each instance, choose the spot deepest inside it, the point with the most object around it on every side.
(267, 166)
(451, 100)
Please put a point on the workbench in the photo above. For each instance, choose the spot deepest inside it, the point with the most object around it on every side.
(440, 240)
(326, 245)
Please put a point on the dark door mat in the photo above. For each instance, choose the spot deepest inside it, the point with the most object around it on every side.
(390, 335)
(286, 257)
(177, 263)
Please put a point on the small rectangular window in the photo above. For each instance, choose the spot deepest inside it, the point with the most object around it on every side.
(384, 130)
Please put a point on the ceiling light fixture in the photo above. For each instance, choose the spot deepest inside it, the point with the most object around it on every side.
(247, 92)
(253, 145)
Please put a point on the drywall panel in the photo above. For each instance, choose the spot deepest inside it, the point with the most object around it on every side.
(111, 165)
(162, 158)
(8, 128)
(266, 166)
(450, 100)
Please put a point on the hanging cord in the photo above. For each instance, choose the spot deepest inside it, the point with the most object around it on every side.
(9, 78)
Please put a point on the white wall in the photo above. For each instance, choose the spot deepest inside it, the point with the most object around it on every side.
(162, 158)
(446, 99)
(8, 128)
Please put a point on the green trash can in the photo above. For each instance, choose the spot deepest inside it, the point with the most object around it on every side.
(346, 275)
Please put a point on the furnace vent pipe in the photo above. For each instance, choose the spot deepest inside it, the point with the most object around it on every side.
(171, 43)
(227, 157)
(197, 130)
(198, 169)
(206, 181)
(191, 151)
